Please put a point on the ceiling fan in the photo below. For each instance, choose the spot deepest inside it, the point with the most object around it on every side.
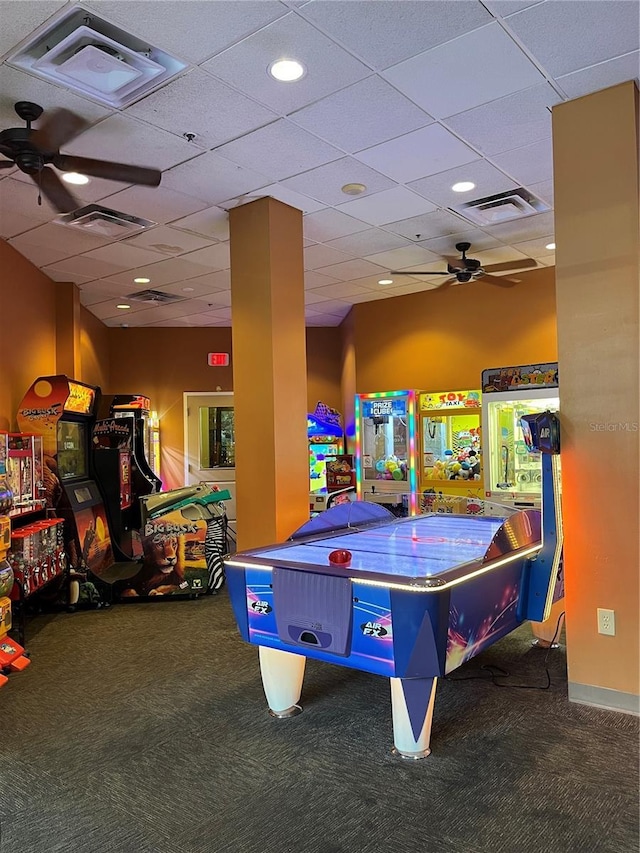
(33, 150)
(464, 269)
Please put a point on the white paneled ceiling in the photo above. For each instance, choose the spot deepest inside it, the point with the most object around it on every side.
(405, 97)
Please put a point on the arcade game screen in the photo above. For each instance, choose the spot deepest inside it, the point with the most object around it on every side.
(72, 450)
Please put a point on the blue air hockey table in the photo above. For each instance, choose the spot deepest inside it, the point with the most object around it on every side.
(419, 597)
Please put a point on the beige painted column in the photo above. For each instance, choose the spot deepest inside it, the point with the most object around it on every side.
(596, 144)
(68, 330)
(269, 371)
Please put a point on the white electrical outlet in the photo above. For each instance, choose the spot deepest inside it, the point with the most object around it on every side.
(606, 622)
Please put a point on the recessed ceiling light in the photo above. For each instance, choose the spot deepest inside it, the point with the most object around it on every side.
(385, 281)
(123, 306)
(550, 246)
(75, 178)
(188, 289)
(142, 280)
(287, 70)
(463, 187)
(353, 189)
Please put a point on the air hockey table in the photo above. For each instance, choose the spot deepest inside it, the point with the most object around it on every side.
(412, 599)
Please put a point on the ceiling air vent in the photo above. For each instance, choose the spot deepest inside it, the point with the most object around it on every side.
(155, 297)
(513, 204)
(84, 53)
(104, 222)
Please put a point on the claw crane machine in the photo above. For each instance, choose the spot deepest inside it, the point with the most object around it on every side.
(450, 457)
(513, 474)
(386, 449)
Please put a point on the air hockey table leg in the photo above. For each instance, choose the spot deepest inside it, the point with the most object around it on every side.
(412, 701)
(546, 634)
(282, 674)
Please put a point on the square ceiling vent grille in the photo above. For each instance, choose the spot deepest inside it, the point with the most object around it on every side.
(79, 51)
(513, 204)
(155, 297)
(104, 222)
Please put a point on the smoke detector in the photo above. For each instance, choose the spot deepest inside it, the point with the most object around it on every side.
(155, 297)
(503, 207)
(84, 53)
(104, 222)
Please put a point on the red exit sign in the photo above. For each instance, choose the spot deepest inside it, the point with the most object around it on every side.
(218, 359)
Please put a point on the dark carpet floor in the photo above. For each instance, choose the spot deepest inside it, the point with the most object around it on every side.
(143, 729)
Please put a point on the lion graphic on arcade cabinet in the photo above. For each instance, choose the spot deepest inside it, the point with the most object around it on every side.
(162, 571)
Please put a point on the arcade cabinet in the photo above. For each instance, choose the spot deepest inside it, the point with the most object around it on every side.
(145, 445)
(512, 473)
(386, 449)
(450, 453)
(63, 411)
(331, 470)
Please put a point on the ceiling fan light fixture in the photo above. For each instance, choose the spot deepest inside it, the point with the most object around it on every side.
(463, 187)
(287, 70)
(75, 178)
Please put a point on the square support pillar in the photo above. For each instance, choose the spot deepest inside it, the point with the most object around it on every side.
(68, 330)
(596, 143)
(269, 371)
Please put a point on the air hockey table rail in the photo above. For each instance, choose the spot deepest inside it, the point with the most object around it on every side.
(407, 598)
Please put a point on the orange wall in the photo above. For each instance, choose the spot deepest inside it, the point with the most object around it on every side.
(438, 340)
(28, 333)
(163, 363)
(94, 350)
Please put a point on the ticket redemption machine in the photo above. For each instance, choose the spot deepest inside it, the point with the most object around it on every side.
(450, 452)
(145, 452)
(513, 473)
(386, 450)
(12, 654)
(330, 469)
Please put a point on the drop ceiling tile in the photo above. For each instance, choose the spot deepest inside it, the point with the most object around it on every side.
(19, 19)
(122, 255)
(466, 72)
(211, 222)
(92, 294)
(388, 32)
(158, 204)
(488, 181)
(280, 150)
(326, 182)
(348, 270)
(323, 321)
(387, 206)
(350, 119)
(508, 7)
(316, 279)
(203, 285)
(95, 190)
(329, 224)
(38, 255)
(85, 266)
(22, 197)
(63, 275)
(13, 223)
(109, 309)
(168, 241)
(437, 224)
(510, 122)
(155, 313)
(601, 76)
(198, 103)
(396, 259)
(411, 287)
(67, 240)
(543, 190)
(549, 261)
(328, 66)
(536, 248)
(219, 298)
(502, 254)
(368, 242)
(281, 193)
(335, 307)
(19, 86)
(321, 255)
(122, 139)
(370, 296)
(528, 228)
(530, 164)
(163, 272)
(195, 30)
(213, 178)
(343, 290)
(446, 246)
(216, 257)
(594, 32)
(418, 154)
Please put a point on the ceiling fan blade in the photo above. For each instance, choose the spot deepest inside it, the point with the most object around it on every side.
(418, 272)
(57, 129)
(501, 281)
(55, 190)
(111, 171)
(511, 265)
(6, 164)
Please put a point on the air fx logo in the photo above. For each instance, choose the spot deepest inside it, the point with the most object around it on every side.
(262, 607)
(373, 629)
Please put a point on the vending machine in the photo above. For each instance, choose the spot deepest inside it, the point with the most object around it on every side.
(386, 449)
(450, 453)
(513, 473)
